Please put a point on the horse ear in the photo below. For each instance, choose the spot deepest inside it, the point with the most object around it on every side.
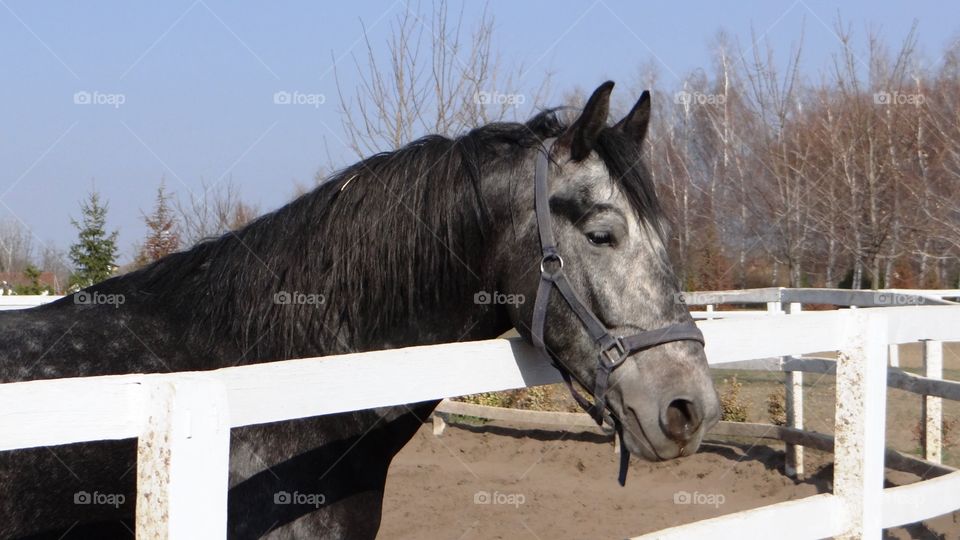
(634, 124)
(582, 135)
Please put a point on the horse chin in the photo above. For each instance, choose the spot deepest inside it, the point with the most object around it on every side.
(647, 440)
(636, 441)
(639, 446)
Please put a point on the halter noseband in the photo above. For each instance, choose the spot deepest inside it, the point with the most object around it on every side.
(613, 350)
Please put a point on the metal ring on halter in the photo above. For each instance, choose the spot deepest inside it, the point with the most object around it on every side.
(548, 258)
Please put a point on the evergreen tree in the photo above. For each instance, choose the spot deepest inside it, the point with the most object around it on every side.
(163, 237)
(32, 273)
(94, 255)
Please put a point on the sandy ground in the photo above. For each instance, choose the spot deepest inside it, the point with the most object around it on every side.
(498, 481)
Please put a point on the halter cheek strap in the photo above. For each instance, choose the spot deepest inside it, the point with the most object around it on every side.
(612, 350)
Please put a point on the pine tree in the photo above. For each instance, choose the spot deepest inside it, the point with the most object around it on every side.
(94, 255)
(32, 273)
(163, 237)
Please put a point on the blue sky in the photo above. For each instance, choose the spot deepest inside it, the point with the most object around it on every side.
(198, 78)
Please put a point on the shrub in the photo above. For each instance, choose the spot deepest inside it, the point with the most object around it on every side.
(734, 410)
(552, 397)
(949, 428)
(777, 407)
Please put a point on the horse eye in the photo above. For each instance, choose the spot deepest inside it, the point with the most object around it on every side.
(600, 238)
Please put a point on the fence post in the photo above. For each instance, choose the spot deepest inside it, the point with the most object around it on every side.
(860, 424)
(793, 392)
(933, 406)
(183, 459)
(439, 424)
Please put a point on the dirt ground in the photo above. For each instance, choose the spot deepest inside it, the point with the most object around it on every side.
(499, 481)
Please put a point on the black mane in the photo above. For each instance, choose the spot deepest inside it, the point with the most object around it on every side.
(382, 241)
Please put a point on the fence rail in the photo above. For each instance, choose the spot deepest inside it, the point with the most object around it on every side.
(183, 460)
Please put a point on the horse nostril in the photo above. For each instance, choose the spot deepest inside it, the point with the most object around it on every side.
(681, 420)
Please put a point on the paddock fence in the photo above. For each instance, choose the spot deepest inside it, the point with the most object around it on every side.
(182, 420)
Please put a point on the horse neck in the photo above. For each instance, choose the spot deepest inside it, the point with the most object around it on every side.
(239, 276)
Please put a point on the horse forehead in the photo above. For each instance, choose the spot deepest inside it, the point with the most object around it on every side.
(591, 178)
(590, 170)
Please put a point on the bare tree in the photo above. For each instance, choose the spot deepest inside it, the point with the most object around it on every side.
(16, 246)
(782, 150)
(439, 77)
(938, 161)
(216, 210)
(837, 186)
(163, 231)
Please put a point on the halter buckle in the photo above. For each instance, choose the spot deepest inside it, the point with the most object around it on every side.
(614, 351)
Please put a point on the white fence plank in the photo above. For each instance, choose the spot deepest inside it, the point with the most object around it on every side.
(711, 315)
(71, 410)
(183, 418)
(818, 516)
(62, 411)
(17, 301)
(310, 387)
(923, 500)
(908, 324)
(734, 340)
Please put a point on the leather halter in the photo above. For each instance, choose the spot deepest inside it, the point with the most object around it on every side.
(612, 350)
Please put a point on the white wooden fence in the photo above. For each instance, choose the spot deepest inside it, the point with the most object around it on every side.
(781, 301)
(182, 420)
